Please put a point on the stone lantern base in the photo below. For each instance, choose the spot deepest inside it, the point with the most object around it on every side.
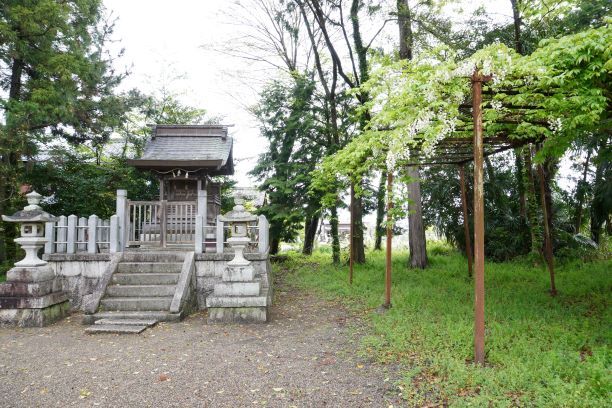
(31, 297)
(239, 298)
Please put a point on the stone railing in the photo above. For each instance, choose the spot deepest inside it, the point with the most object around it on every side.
(72, 235)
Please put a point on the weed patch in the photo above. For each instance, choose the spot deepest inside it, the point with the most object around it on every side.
(541, 351)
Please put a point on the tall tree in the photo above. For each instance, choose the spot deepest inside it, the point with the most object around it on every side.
(57, 81)
(330, 110)
(286, 120)
(356, 74)
(416, 227)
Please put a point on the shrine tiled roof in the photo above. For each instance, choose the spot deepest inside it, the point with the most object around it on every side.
(188, 146)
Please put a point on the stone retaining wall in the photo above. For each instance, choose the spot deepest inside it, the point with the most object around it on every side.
(78, 274)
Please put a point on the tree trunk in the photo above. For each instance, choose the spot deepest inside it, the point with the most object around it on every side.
(518, 41)
(532, 205)
(333, 225)
(310, 231)
(406, 38)
(518, 47)
(358, 242)
(581, 193)
(416, 229)
(598, 210)
(380, 212)
(274, 245)
(518, 161)
(9, 145)
(549, 168)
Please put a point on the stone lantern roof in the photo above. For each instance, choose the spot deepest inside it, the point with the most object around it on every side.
(238, 214)
(31, 212)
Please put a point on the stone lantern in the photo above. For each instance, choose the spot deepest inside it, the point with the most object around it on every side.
(32, 219)
(238, 297)
(238, 220)
(31, 296)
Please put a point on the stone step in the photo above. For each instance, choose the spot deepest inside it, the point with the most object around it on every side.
(149, 267)
(160, 316)
(153, 256)
(115, 328)
(136, 303)
(145, 278)
(140, 290)
(128, 322)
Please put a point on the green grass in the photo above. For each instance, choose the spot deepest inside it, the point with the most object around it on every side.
(541, 351)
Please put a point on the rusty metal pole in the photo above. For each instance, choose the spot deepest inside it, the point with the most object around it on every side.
(479, 288)
(351, 235)
(548, 251)
(466, 219)
(389, 240)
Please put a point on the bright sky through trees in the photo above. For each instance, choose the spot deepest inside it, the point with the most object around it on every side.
(163, 44)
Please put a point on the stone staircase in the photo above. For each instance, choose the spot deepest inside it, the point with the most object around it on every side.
(139, 293)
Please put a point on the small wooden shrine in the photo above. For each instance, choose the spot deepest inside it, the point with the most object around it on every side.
(184, 158)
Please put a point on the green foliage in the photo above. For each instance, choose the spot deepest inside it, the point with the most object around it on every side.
(76, 184)
(564, 83)
(59, 75)
(287, 121)
(541, 351)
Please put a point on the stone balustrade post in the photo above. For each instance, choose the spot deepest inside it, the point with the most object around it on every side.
(121, 211)
(220, 236)
(71, 234)
(82, 227)
(199, 237)
(50, 236)
(113, 245)
(92, 233)
(264, 234)
(62, 234)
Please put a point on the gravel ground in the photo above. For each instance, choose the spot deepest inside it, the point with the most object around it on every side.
(304, 358)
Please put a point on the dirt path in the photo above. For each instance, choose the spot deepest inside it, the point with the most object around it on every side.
(304, 357)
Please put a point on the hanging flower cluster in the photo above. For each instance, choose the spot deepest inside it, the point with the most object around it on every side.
(556, 95)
